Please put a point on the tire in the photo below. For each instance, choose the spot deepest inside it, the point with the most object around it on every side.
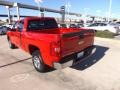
(11, 45)
(2, 32)
(37, 61)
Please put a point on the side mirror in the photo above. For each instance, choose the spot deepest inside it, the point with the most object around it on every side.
(19, 29)
(12, 29)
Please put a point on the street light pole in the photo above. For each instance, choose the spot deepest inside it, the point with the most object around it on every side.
(85, 15)
(8, 10)
(39, 8)
(109, 11)
(18, 11)
(38, 3)
(12, 14)
(67, 5)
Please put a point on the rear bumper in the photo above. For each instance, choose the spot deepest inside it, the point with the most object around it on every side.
(72, 59)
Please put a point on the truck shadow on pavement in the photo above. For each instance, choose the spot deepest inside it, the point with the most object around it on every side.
(100, 52)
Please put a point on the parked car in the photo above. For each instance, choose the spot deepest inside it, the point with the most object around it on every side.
(118, 23)
(79, 25)
(8, 25)
(63, 25)
(49, 45)
(72, 26)
(3, 30)
(112, 27)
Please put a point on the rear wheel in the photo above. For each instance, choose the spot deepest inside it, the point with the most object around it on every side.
(11, 45)
(37, 61)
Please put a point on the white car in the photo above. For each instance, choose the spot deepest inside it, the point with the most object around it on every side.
(8, 25)
(112, 27)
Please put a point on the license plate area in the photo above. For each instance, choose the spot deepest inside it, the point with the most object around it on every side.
(80, 55)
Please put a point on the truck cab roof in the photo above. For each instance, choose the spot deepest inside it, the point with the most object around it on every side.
(33, 18)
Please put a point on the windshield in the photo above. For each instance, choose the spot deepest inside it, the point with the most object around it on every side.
(42, 24)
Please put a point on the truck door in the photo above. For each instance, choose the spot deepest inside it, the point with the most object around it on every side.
(13, 32)
(18, 34)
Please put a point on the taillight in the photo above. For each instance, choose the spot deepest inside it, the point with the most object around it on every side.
(55, 48)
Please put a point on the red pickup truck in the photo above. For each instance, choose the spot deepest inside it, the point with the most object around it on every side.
(48, 44)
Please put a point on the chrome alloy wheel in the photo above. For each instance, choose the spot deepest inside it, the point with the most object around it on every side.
(36, 61)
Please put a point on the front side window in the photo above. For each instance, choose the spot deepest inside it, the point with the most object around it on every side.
(20, 26)
(15, 25)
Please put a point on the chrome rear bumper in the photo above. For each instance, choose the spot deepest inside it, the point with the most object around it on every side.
(73, 61)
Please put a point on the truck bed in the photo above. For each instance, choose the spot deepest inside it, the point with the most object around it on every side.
(71, 40)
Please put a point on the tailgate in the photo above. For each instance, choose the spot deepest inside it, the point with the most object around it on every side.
(76, 41)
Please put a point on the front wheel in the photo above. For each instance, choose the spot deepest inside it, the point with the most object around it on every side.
(37, 61)
(11, 45)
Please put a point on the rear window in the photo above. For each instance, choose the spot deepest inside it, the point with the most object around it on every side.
(42, 24)
(49, 24)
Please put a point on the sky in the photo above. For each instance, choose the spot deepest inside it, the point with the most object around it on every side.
(91, 7)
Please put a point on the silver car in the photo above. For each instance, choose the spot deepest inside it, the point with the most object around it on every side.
(112, 27)
(3, 30)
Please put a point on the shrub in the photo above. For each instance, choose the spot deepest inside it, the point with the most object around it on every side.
(104, 34)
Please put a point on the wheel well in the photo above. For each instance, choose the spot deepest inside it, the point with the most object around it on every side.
(32, 49)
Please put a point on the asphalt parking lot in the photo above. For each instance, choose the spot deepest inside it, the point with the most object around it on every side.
(99, 72)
